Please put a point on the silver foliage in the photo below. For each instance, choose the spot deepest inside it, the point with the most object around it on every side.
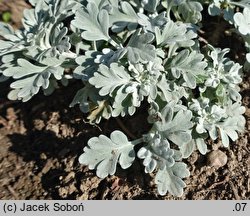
(129, 53)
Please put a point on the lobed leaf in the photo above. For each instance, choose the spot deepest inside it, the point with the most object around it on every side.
(109, 79)
(170, 180)
(103, 153)
(93, 21)
(140, 48)
(189, 65)
(122, 15)
(171, 128)
(30, 78)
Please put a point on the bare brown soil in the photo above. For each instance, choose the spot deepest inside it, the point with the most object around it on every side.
(41, 140)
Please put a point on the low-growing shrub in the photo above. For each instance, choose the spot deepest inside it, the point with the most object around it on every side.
(129, 53)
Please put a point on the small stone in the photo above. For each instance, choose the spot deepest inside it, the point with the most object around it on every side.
(43, 156)
(216, 159)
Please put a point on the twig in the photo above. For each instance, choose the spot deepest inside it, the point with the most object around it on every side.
(202, 39)
(117, 194)
(211, 187)
(13, 192)
(95, 125)
(3, 121)
(234, 191)
(218, 183)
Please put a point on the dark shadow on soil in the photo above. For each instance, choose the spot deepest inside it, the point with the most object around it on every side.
(53, 133)
(246, 97)
(31, 146)
(50, 182)
(51, 126)
(146, 196)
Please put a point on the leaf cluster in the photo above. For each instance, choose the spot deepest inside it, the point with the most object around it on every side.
(127, 53)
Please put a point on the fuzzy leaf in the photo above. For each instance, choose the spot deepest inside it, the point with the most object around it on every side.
(171, 128)
(242, 20)
(151, 5)
(228, 128)
(95, 23)
(157, 154)
(201, 146)
(191, 11)
(171, 33)
(170, 180)
(140, 49)
(30, 78)
(108, 79)
(86, 97)
(241, 3)
(187, 149)
(190, 65)
(122, 15)
(103, 153)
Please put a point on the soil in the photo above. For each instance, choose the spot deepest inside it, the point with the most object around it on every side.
(41, 140)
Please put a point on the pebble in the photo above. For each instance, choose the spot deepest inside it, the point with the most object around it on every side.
(216, 159)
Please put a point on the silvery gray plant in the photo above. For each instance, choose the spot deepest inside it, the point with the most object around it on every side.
(127, 53)
(240, 19)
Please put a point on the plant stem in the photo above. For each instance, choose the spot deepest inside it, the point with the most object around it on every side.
(94, 45)
(70, 55)
(137, 141)
(113, 43)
